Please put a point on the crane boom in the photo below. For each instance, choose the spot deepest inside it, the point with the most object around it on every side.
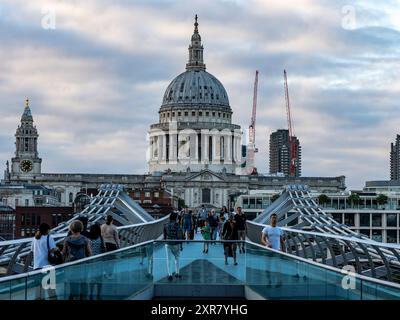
(251, 147)
(292, 141)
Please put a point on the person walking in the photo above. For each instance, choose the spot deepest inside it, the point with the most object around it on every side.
(172, 231)
(213, 222)
(230, 232)
(202, 216)
(205, 232)
(187, 221)
(240, 219)
(96, 240)
(77, 246)
(109, 233)
(96, 271)
(272, 237)
(221, 220)
(42, 244)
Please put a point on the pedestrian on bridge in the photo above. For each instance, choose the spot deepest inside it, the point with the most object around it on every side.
(173, 231)
(202, 216)
(230, 232)
(240, 219)
(272, 237)
(213, 222)
(205, 231)
(110, 234)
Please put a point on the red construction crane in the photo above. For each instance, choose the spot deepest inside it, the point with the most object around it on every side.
(251, 147)
(292, 140)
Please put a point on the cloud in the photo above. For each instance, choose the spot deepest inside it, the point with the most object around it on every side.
(96, 82)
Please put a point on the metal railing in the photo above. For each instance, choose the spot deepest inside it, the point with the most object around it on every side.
(368, 257)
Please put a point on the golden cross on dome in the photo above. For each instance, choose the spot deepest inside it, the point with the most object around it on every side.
(27, 103)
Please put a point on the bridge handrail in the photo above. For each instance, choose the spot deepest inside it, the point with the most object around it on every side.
(318, 264)
(56, 235)
(337, 237)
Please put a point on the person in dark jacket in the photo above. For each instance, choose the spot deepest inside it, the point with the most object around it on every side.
(230, 232)
(172, 231)
(76, 246)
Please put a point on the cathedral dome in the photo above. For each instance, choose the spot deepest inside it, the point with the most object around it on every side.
(196, 88)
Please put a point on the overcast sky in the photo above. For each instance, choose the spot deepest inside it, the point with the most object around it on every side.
(97, 79)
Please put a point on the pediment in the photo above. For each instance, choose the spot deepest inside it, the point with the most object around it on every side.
(206, 176)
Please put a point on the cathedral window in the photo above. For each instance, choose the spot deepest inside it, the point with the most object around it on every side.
(213, 114)
(193, 113)
(182, 85)
(179, 113)
(219, 114)
(186, 113)
(200, 113)
(173, 114)
(207, 113)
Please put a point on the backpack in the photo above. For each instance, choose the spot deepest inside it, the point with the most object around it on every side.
(76, 251)
(173, 231)
(54, 255)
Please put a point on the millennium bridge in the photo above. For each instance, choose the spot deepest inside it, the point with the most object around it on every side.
(323, 260)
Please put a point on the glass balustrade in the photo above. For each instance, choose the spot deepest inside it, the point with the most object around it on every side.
(127, 272)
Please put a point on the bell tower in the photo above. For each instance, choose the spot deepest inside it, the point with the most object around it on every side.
(26, 162)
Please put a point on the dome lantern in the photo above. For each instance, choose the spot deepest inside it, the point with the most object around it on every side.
(196, 50)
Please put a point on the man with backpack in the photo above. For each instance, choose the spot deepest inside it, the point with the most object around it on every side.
(202, 216)
(76, 246)
(172, 231)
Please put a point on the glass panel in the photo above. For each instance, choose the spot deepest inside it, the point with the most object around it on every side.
(391, 236)
(196, 266)
(365, 220)
(259, 203)
(349, 219)
(377, 235)
(375, 291)
(252, 203)
(376, 220)
(5, 290)
(391, 220)
(366, 232)
(17, 288)
(337, 217)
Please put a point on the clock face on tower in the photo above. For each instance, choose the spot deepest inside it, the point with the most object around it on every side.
(26, 165)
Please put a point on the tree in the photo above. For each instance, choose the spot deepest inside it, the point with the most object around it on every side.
(353, 199)
(181, 203)
(274, 197)
(382, 199)
(323, 199)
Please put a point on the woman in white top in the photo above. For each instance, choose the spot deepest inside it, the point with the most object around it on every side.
(40, 248)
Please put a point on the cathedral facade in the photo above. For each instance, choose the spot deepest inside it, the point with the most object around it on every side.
(195, 150)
